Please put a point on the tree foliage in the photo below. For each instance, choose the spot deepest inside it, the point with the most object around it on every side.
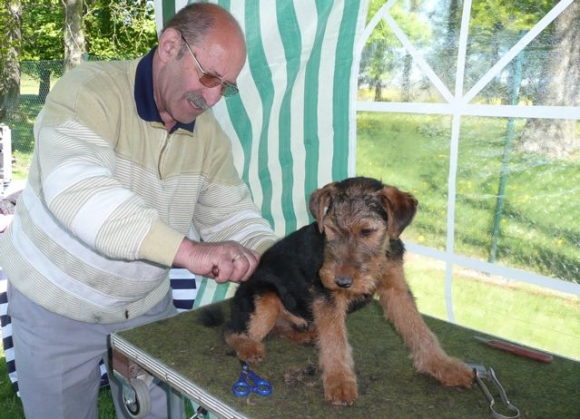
(547, 70)
(119, 29)
(44, 37)
(42, 29)
(383, 49)
(112, 29)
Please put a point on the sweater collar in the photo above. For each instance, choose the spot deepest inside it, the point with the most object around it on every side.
(144, 100)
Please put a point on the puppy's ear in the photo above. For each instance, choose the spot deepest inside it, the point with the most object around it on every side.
(319, 201)
(401, 208)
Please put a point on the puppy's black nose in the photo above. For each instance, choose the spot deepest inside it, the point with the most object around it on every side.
(343, 281)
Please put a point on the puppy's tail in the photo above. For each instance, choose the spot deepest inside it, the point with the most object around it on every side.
(211, 316)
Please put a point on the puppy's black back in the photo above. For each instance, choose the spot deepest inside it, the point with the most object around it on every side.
(290, 269)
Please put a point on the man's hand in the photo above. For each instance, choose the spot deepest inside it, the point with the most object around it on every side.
(223, 261)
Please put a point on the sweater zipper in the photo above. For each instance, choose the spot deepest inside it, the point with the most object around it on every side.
(162, 154)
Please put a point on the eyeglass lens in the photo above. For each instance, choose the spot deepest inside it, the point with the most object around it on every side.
(212, 81)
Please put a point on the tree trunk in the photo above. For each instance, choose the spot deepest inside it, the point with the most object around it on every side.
(561, 75)
(446, 62)
(10, 67)
(408, 63)
(44, 86)
(74, 39)
(378, 90)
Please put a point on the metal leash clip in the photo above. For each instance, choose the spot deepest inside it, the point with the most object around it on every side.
(482, 373)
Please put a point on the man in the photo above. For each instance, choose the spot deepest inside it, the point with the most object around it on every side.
(127, 160)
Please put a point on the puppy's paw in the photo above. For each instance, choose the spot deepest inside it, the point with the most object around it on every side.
(340, 390)
(252, 352)
(247, 349)
(451, 372)
(306, 338)
(457, 374)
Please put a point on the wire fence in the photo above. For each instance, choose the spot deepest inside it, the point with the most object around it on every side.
(36, 80)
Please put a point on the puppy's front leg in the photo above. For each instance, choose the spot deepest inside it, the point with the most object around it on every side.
(428, 356)
(336, 361)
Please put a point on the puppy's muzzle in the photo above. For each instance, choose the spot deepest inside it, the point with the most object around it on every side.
(343, 281)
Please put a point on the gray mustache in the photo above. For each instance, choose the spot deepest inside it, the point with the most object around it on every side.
(197, 100)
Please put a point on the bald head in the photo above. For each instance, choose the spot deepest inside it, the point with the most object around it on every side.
(197, 21)
(202, 43)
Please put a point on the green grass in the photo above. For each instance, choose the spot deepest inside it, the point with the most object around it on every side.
(539, 230)
(518, 312)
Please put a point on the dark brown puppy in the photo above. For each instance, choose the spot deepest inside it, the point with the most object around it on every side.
(309, 281)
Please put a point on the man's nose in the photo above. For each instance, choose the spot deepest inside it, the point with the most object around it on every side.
(212, 95)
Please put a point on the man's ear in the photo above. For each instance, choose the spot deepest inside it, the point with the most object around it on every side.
(170, 43)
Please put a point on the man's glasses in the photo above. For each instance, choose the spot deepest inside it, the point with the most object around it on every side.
(209, 80)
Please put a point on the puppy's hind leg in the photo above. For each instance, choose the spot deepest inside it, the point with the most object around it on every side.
(248, 344)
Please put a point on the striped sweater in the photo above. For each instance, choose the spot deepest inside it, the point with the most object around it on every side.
(111, 194)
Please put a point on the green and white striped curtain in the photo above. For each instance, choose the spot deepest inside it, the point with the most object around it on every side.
(291, 125)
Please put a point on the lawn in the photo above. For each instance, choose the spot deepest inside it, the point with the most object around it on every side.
(518, 312)
(539, 229)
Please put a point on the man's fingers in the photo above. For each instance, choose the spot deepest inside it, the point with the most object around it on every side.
(237, 267)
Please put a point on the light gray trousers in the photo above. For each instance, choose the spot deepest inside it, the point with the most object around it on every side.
(57, 360)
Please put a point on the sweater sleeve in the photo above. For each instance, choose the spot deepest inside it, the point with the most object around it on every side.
(77, 185)
(74, 177)
(225, 209)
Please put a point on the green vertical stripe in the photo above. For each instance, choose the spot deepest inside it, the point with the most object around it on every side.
(292, 43)
(221, 291)
(260, 70)
(225, 4)
(242, 124)
(241, 121)
(340, 107)
(200, 292)
(311, 97)
(168, 10)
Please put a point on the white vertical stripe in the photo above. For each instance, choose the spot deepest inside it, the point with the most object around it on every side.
(307, 17)
(251, 101)
(325, 95)
(245, 83)
(274, 53)
(158, 4)
(353, 90)
(453, 157)
(208, 292)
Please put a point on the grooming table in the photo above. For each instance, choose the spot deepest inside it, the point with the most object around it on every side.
(195, 361)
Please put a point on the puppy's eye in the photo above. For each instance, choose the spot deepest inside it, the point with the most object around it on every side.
(365, 232)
